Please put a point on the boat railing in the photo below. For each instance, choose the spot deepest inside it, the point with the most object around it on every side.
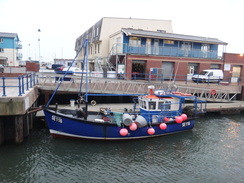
(200, 106)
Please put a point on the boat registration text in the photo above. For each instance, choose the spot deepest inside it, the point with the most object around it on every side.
(57, 119)
(186, 124)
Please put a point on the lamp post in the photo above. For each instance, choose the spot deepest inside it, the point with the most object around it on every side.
(29, 54)
(39, 41)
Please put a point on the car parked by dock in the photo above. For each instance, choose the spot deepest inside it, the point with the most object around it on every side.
(57, 67)
(209, 75)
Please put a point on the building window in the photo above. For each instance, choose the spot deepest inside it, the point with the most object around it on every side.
(169, 42)
(91, 50)
(95, 49)
(164, 105)
(152, 105)
(1, 40)
(134, 41)
(98, 48)
(215, 66)
(156, 46)
(205, 49)
(186, 47)
(236, 71)
(1, 50)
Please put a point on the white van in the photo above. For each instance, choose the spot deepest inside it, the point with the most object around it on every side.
(209, 75)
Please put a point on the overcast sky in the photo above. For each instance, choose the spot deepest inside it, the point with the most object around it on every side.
(61, 22)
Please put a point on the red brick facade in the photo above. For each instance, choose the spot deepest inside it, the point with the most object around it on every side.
(180, 63)
(232, 60)
(229, 64)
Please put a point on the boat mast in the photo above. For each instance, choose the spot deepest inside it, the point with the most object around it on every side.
(86, 61)
(62, 79)
(87, 86)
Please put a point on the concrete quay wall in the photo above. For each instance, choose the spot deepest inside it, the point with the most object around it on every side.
(15, 121)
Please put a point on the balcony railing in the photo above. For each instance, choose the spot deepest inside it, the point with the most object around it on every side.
(19, 56)
(19, 46)
(165, 51)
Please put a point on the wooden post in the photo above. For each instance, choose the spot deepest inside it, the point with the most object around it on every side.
(19, 132)
(46, 97)
(242, 93)
(31, 119)
(26, 125)
(8, 128)
(1, 131)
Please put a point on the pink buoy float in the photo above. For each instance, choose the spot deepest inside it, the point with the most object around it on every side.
(123, 132)
(150, 131)
(178, 119)
(166, 119)
(163, 126)
(133, 126)
(184, 117)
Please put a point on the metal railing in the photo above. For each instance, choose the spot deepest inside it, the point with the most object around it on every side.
(16, 86)
(151, 77)
(118, 85)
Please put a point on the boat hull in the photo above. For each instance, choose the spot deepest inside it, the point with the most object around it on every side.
(61, 125)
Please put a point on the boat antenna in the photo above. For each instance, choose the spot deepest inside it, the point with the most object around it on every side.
(173, 81)
(62, 79)
(176, 72)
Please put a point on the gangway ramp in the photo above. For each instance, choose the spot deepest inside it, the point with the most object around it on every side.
(49, 81)
(96, 85)
(209, 95)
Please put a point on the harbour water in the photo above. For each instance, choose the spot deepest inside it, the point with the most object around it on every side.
(212, 152)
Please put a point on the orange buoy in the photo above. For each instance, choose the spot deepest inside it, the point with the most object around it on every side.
(188, 94)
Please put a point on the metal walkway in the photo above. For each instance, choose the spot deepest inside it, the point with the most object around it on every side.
(206, 94)
(49, 81)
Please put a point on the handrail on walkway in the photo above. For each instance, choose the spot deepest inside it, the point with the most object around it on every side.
(123, 86)
(22, 83)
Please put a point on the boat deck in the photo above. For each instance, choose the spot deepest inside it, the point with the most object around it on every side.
(223, 108)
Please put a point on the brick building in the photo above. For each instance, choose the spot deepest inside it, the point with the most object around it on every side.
(233, 65)
(149, 47)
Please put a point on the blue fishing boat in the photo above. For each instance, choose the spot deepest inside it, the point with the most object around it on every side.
(160, 112)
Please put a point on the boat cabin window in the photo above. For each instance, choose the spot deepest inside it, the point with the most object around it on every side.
(152, 105)
(144, 104)
(164, 105)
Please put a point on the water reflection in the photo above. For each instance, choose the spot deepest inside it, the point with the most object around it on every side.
(211, 152)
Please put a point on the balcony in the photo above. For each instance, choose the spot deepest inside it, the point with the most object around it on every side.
(19, 56)
(166, 51)
(19, 46)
